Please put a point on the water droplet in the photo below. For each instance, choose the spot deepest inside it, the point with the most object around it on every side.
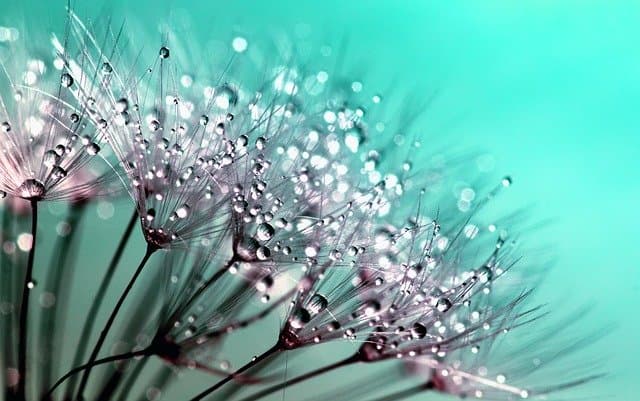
(107, 68)
(418, 331)
(50, 158)
(317, 304)
(485, 274)
(263, 253)
(164, 52)
(122, 105)
(32, 284)
(443, 305)
(5, 126)
(264, 284)
(93, 149)
(183, 211)
(299, 318)
(66, 80)
(265, 232)
(31, 189)
(507, 181)
(204, 120)
(371, 308)
(239, 44)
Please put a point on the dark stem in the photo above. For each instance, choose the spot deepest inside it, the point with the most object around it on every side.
(119, 357)
(24, 308)
(233, 375)
(103, 334)
(314, 373)
(402, 394)
(98, 299)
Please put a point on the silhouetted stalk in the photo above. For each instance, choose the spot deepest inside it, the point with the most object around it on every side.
(89, 322)
(271, 351)
(314, 373)
(114, 358)
(103, 334)
(24, 308)
(59, 278)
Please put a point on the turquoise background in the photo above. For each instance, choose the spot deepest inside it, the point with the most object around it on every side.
(550, 88)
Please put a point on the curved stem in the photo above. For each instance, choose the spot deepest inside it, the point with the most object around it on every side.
(89, 323)
(103, 334)
(270, 390)
(119, 357)
(233, 375)
(24, 308)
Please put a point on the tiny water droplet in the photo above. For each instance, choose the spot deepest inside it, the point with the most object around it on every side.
(66, 80)
(443, 305)
(164, 52)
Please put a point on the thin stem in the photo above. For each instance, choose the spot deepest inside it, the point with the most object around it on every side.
(314, 373)
(402, 394)
(233, 375)
(103, 335)
(89, 322)
(24, 308)
(119, 357)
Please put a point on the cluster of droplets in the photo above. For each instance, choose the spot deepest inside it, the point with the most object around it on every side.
(48, 149)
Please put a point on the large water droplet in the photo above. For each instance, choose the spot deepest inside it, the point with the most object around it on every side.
(299, 318)
(31, 189)
(317, 304)
(265, 232)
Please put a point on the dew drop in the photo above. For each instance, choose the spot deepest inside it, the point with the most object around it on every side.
(164, 52)
(265, 232)
(418, 331)
(299, 318)
(264, 284)
(5, 126)
(183, 211)
(263, 253)
(317, 304)
(106, 68)
(50, 158)
(66, 80)
(154, 125)
(31, 189)
(507, 181)
(443, 305)
(93, 149)
(371, 308)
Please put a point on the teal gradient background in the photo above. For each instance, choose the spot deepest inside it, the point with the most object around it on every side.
(550, 88)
